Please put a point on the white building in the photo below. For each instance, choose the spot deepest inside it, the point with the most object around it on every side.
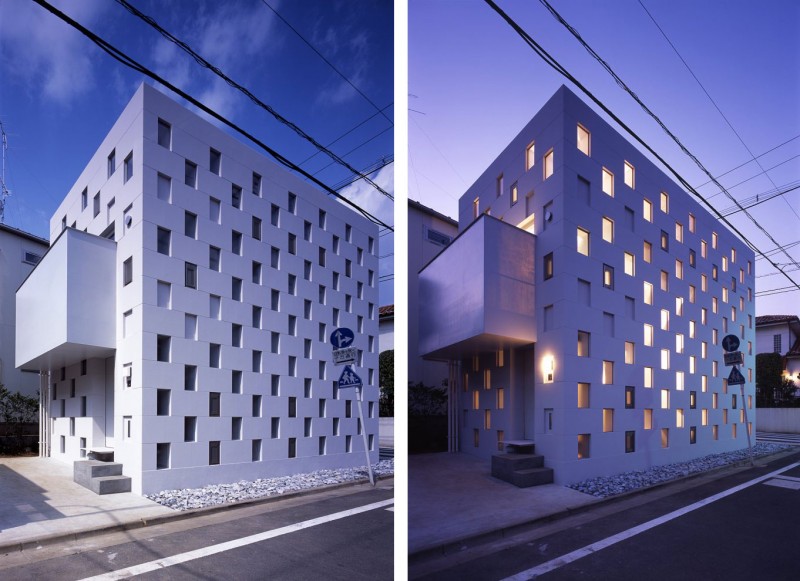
(19, 253)
(183, 311)
(429, 232)
(781, 334)
(386, 328)
(583, 304)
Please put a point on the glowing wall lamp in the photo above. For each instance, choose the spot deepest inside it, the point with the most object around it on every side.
(548, 368)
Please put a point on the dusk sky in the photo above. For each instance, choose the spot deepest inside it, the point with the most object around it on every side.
(61, 94)
(473, 85)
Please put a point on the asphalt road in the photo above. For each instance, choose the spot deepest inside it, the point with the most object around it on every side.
(723, 526)
(344, 534)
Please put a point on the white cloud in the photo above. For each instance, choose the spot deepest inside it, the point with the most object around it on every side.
(45, 53)
(363, 194)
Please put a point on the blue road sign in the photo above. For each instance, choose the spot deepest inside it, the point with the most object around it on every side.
(730, 342)
(342, 337)
(736, 377)
(349, 378)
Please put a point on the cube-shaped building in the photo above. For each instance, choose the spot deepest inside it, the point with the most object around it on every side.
(583, 307)
(182, 313)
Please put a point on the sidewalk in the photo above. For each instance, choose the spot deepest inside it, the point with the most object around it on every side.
(40, 502)
(452, 497)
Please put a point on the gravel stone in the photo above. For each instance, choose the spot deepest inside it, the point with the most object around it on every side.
(604, 486)
(215, 494)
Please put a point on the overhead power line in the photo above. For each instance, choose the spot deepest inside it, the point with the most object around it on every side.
(674, 138)
(713, 102)
(760, 199)
(558, 67)
(756, 175)
(128, 61)
(204, 63)
(377, 166)
(329, 63)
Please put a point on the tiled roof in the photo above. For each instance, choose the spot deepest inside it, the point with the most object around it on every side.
(773, 319)
(432, 212)
(386, 311)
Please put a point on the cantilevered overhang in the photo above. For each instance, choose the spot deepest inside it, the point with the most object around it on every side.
(479, 294)
(65, 308)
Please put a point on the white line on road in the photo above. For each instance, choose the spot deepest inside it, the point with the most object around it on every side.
(234, 544)
(534, 572)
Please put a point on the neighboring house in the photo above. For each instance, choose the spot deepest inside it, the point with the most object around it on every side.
(429, 232)
(781, 334)
(19, 253)
(583, 305)
(386, 328)
(183, 312)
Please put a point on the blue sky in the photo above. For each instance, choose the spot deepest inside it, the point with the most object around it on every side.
(61, 94)
(473, 84)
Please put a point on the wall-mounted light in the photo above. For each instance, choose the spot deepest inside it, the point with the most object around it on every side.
(548, 368)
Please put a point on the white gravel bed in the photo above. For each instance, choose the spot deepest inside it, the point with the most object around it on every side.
(214, 494)
(619, 483)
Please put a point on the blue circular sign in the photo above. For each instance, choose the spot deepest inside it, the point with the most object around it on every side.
(730, 342)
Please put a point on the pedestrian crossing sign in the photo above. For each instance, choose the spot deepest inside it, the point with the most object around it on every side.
(349, 378)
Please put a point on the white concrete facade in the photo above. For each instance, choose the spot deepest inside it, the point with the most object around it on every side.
(429, 233)
(208, 310)
(19, 253)
(601, 323)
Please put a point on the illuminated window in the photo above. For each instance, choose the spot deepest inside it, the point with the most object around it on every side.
(703, 283)
(608, 229)
(548, 164)
(724, 264)
(630, 264)
(733, 255)
(692, 326)
(714, 305)
(714, 368)
(608, 182)
(714, 271)
(530, 156)
(476, 207)
(692, 364)
(678, 269)
(704, 417)
(548, 266)
(583, 242)
(678, 232)
(647, 251)
(608, 420)
(679, 380)
(692, 293)
(583, 140)
(648, 293)
(648, 335)
(648, 419)
(514, 193)
(713, 240)
(703, 249)
(714, 336)
(725, 295)
(487, 379)
(703, 316)
(608, 372)
(665, 202)
(664, 399)
(487, 419)
(629, 352)
(647, 210)
(630, 397)
(664, 281)
(704, 385)
(476, 399)
(665, 359)
(648, 377)
(679, 418)
(501, 398)
(664, 320)
(608, 276)
(679, 306)
(630, 175)
(679, 343)
(664, 241)
(692, 259)
(691, 223)
(583, 395)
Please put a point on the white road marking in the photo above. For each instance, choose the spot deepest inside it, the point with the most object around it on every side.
(534, 572)
(390, 509)
(234, 544)
(781, 483)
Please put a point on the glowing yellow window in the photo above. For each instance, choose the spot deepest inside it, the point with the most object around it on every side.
(608, 182)
(647, 210)
(583, 242)
(608, 229)
(583, 140)
(548, 164)
(630, 175)
(530, 156)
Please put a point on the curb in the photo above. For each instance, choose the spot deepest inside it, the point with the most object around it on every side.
(458, 545)
(178, 516)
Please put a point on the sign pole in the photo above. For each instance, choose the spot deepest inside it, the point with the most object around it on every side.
(364, 433)
(747, 425)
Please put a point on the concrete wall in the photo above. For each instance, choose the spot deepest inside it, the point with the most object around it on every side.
(781, 420)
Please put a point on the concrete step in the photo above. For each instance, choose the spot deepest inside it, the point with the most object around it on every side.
(503, 465)
(110, 484)
(532, 477)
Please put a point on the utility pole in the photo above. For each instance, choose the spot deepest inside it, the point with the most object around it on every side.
(4, 191)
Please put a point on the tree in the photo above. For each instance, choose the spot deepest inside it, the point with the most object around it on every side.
(772, 388)
(386, 377)
(17, 413)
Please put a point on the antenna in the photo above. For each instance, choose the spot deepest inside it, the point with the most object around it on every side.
(4, 191)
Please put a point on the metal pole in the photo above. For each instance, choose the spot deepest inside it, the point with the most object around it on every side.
(364, 434)
(747, 425)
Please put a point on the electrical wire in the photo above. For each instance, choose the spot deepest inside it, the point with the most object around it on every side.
(757, 200)
(205, 64)
(661, 124)
(375, 167)
(558, 67)
(756, 175)
(128, 61)
(311, 46)
(710, 98)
